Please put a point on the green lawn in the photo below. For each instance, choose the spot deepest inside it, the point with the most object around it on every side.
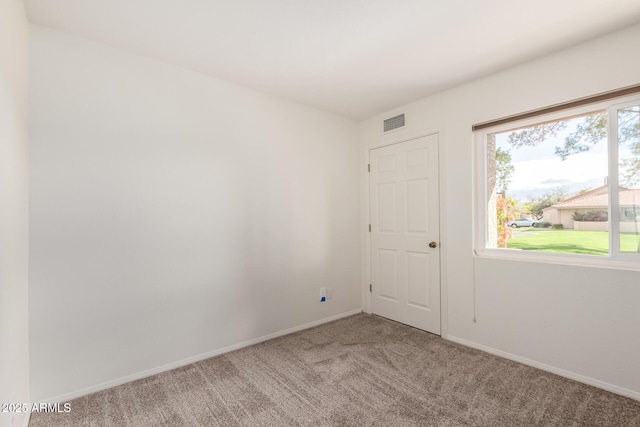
(569, 241)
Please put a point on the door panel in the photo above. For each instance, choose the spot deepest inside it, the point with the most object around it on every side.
(419, 294)
(404, 212)
(387, 207)
(388, 268)
(417, 204)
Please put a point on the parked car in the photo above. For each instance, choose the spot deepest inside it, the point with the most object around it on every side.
(523, 222)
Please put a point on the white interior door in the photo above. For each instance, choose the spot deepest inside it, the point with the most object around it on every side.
(405, 244)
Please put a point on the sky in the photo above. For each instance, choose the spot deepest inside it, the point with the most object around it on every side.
(538, 169)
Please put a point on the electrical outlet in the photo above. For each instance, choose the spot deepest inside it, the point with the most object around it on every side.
(323, 294)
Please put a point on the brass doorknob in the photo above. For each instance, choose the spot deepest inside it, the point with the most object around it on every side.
(433, 245)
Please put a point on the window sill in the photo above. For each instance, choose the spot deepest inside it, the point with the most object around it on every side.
(632, 262)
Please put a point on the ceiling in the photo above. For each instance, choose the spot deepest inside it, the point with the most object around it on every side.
(355, 58)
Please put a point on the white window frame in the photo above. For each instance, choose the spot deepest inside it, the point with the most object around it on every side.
(615, 258)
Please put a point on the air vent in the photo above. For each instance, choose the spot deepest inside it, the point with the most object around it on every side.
(394, 123)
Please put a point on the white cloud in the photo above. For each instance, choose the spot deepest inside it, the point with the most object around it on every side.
(534, 176)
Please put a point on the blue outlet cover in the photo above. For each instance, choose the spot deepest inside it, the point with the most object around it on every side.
(323, 299)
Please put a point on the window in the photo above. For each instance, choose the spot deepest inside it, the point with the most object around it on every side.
(563, 184)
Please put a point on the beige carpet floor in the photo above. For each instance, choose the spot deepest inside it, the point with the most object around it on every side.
(358, 371)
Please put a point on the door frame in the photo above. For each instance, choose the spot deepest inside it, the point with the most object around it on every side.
(366, 241)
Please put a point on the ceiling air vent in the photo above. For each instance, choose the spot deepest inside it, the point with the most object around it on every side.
(394, 123)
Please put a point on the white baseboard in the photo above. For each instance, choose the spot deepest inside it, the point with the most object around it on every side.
(27, 418)
(109, 384)
(567, 374)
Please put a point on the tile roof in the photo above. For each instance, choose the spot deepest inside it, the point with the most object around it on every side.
(599, 198)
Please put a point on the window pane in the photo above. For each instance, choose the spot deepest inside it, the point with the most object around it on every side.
(547, 187)
(629, 165)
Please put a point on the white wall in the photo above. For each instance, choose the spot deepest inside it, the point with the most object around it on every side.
(173, 214)
(14, 209)
(578, 321)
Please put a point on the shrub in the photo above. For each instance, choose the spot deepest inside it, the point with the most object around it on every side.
(544, 224)
(504, 215)
(592, 216)
(557, 226)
